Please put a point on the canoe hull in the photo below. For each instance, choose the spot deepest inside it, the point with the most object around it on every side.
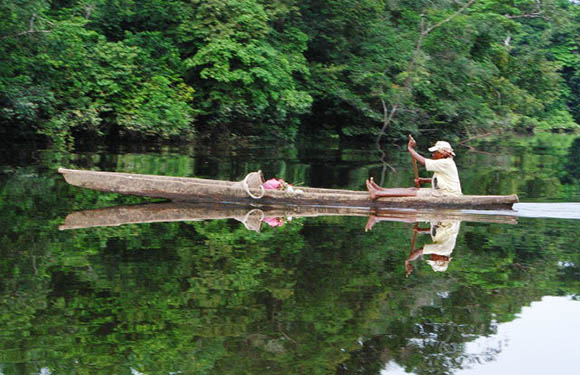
(183, 189)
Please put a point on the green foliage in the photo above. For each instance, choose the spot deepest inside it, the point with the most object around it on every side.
(160, 68)
(485, 68)
(76, 80)
(245, 68)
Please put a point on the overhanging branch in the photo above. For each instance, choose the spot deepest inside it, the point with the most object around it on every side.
(31, 29)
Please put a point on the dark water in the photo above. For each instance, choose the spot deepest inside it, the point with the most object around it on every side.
(317, 295)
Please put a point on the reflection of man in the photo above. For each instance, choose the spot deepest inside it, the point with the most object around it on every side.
(444, 235)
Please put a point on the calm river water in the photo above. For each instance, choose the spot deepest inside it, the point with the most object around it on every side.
(303, 295)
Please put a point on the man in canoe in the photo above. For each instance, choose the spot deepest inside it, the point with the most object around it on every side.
(445, 180)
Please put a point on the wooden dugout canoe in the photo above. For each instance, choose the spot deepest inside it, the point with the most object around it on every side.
(250, 191)
(253, 217)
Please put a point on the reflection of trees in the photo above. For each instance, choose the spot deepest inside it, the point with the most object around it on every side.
(532, 167)
(573, 162)
(505, 270)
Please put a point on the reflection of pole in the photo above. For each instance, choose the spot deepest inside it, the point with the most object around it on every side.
(414, 237)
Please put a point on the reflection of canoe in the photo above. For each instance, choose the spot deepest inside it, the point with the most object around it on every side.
(249, 191)
(251, 216)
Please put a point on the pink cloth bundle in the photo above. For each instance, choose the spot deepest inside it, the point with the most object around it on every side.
(273, 184)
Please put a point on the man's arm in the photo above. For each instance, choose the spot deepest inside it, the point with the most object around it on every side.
(413, 256)
(424, 180)
(411, 147)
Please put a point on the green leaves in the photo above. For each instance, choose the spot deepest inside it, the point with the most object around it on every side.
(468, 74)
(95, 83)
(152, 68)
(158, 109)
(245, 68)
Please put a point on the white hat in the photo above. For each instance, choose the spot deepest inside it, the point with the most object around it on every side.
(442, 145)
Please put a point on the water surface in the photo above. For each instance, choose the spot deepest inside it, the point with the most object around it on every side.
(315, 295)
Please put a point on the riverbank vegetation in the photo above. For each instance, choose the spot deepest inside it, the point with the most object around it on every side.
(170, 68)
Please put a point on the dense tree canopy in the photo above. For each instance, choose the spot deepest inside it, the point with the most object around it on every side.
(164, 68)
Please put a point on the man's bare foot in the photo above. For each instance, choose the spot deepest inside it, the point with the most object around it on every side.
(370, 223)
(374, 184)
(371, 189)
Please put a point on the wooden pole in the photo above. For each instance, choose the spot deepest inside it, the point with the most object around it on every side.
(415, 168)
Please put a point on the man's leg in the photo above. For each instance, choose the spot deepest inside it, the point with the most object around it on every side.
(376, 191)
